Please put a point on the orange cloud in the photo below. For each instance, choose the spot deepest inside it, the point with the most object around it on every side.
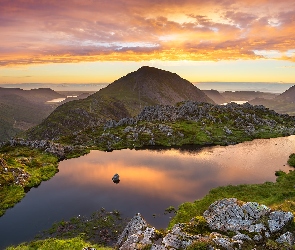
(34, 32)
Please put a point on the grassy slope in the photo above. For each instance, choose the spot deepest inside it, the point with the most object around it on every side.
(78, 115)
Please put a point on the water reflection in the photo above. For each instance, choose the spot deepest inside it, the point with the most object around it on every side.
(150, 181)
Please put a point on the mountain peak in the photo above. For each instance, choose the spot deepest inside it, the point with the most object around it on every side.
(151, 86)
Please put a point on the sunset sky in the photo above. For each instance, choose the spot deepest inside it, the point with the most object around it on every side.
(98, 41)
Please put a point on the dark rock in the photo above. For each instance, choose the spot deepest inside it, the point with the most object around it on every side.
(116, 178)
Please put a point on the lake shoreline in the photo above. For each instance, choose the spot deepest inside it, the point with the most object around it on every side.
(170, 149)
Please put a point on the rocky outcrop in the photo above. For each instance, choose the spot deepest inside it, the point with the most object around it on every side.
(243, 115)
(56, 149)
(251, 218)
(233, 225)
(156, 122)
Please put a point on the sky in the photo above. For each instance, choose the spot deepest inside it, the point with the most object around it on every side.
(98, 41)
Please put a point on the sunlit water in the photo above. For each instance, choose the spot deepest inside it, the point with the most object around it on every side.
(150, 182)
(56, 100)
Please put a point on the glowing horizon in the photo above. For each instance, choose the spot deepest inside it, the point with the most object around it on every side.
(98, 41)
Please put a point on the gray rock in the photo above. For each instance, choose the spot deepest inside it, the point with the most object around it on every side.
(278, 220)
(287, 237)
(136, 226)
(242, 237)
(228, 215)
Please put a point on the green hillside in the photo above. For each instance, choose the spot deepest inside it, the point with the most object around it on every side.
(125, 97)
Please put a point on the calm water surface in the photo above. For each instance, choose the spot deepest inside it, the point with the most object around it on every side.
(150, 182)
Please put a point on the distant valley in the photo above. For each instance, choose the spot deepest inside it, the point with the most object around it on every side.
(22, 109)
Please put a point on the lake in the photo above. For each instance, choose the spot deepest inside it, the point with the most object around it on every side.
(151, 181)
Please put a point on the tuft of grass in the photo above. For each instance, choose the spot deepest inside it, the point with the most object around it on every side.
(9, 196)
(291, 160)
(76, 243)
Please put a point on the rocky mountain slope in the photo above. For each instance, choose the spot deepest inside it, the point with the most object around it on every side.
(187, 123)
(125, 97)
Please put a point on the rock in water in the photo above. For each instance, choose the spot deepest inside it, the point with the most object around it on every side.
(116, 178)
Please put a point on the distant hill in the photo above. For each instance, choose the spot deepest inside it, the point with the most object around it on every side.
(34, 95)
(229, 96)
(283, 103)
(287, 96)
(215, 96)
(246, 95)
(125, 97)
(22, 109)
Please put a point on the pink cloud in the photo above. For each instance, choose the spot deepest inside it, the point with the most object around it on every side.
(65, 31)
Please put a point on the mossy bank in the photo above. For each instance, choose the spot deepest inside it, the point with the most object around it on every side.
(22, 168)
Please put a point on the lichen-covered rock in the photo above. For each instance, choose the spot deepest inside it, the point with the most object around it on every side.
(136, 225)
(287, 237)
(229, 215)
(178, 239)
(278, 220)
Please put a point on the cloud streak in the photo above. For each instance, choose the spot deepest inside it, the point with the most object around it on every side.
(52, 31)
